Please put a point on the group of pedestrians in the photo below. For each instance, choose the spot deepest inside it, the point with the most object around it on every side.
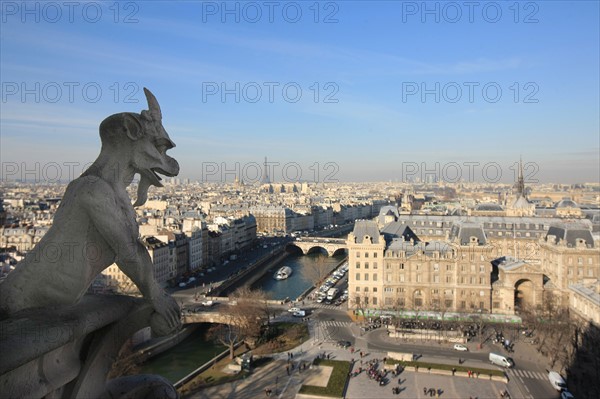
(374, 373)
(472, 374)
(432, 392)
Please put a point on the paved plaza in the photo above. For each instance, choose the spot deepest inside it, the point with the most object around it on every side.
(273, 376)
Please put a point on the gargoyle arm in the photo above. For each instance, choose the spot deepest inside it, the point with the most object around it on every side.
(130, 254)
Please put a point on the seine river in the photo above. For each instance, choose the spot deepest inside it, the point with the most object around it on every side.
(298, 282)
(196, 350)
(185, 357)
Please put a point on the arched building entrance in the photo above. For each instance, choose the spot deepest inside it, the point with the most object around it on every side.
(524, 297)
(519, 287)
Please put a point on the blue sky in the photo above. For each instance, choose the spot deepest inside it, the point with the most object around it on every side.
(361, 68)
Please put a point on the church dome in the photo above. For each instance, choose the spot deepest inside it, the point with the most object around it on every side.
(567, 203)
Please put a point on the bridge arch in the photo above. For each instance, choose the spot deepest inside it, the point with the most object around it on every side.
(294, 249)
(339, 251)
(316, 249)
(329, 245)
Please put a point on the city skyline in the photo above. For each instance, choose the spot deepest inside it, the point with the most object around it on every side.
(384, 87)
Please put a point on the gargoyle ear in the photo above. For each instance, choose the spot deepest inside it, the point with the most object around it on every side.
(133, 126)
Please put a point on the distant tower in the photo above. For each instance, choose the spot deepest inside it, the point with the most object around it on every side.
(520, 184)
(265, 178)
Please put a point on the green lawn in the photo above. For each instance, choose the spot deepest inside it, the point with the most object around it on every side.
(337, 380)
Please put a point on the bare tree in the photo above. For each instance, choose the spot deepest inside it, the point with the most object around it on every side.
(316, 271)
(228, 335)
(245, 319)
(251, 311)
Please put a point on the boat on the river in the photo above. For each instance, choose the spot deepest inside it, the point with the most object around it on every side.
(283, 273)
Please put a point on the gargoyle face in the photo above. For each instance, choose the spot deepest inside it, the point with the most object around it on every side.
(149, 157)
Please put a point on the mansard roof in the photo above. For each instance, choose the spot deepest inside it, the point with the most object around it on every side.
(388, 210)
(463, 231)
(571, 233)
(426, 248)
(394, 230)
(364, 228)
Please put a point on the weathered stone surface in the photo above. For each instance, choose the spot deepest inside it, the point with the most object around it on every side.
(34, 333)
(42, 351)
(95, 224)
(55, 344)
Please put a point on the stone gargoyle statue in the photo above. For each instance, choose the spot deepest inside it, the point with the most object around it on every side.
(96, 226)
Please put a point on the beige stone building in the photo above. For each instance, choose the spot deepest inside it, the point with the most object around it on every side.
(569, 256)
(391, 268)
(584, 301)
(22, 238)
(114, 279)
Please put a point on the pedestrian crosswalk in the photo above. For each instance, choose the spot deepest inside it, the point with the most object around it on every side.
(334, 323)
(328, 330)
(334, 307)
(528, 374)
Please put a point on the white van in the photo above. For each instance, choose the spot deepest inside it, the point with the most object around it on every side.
(299, 313)
(332, 293)
(500, 360)
(557, 381)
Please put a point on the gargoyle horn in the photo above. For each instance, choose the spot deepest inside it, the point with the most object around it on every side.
(153, 106)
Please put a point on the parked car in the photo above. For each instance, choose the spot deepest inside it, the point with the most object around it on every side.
(566, 395)
(208, 303)
(460, 347)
